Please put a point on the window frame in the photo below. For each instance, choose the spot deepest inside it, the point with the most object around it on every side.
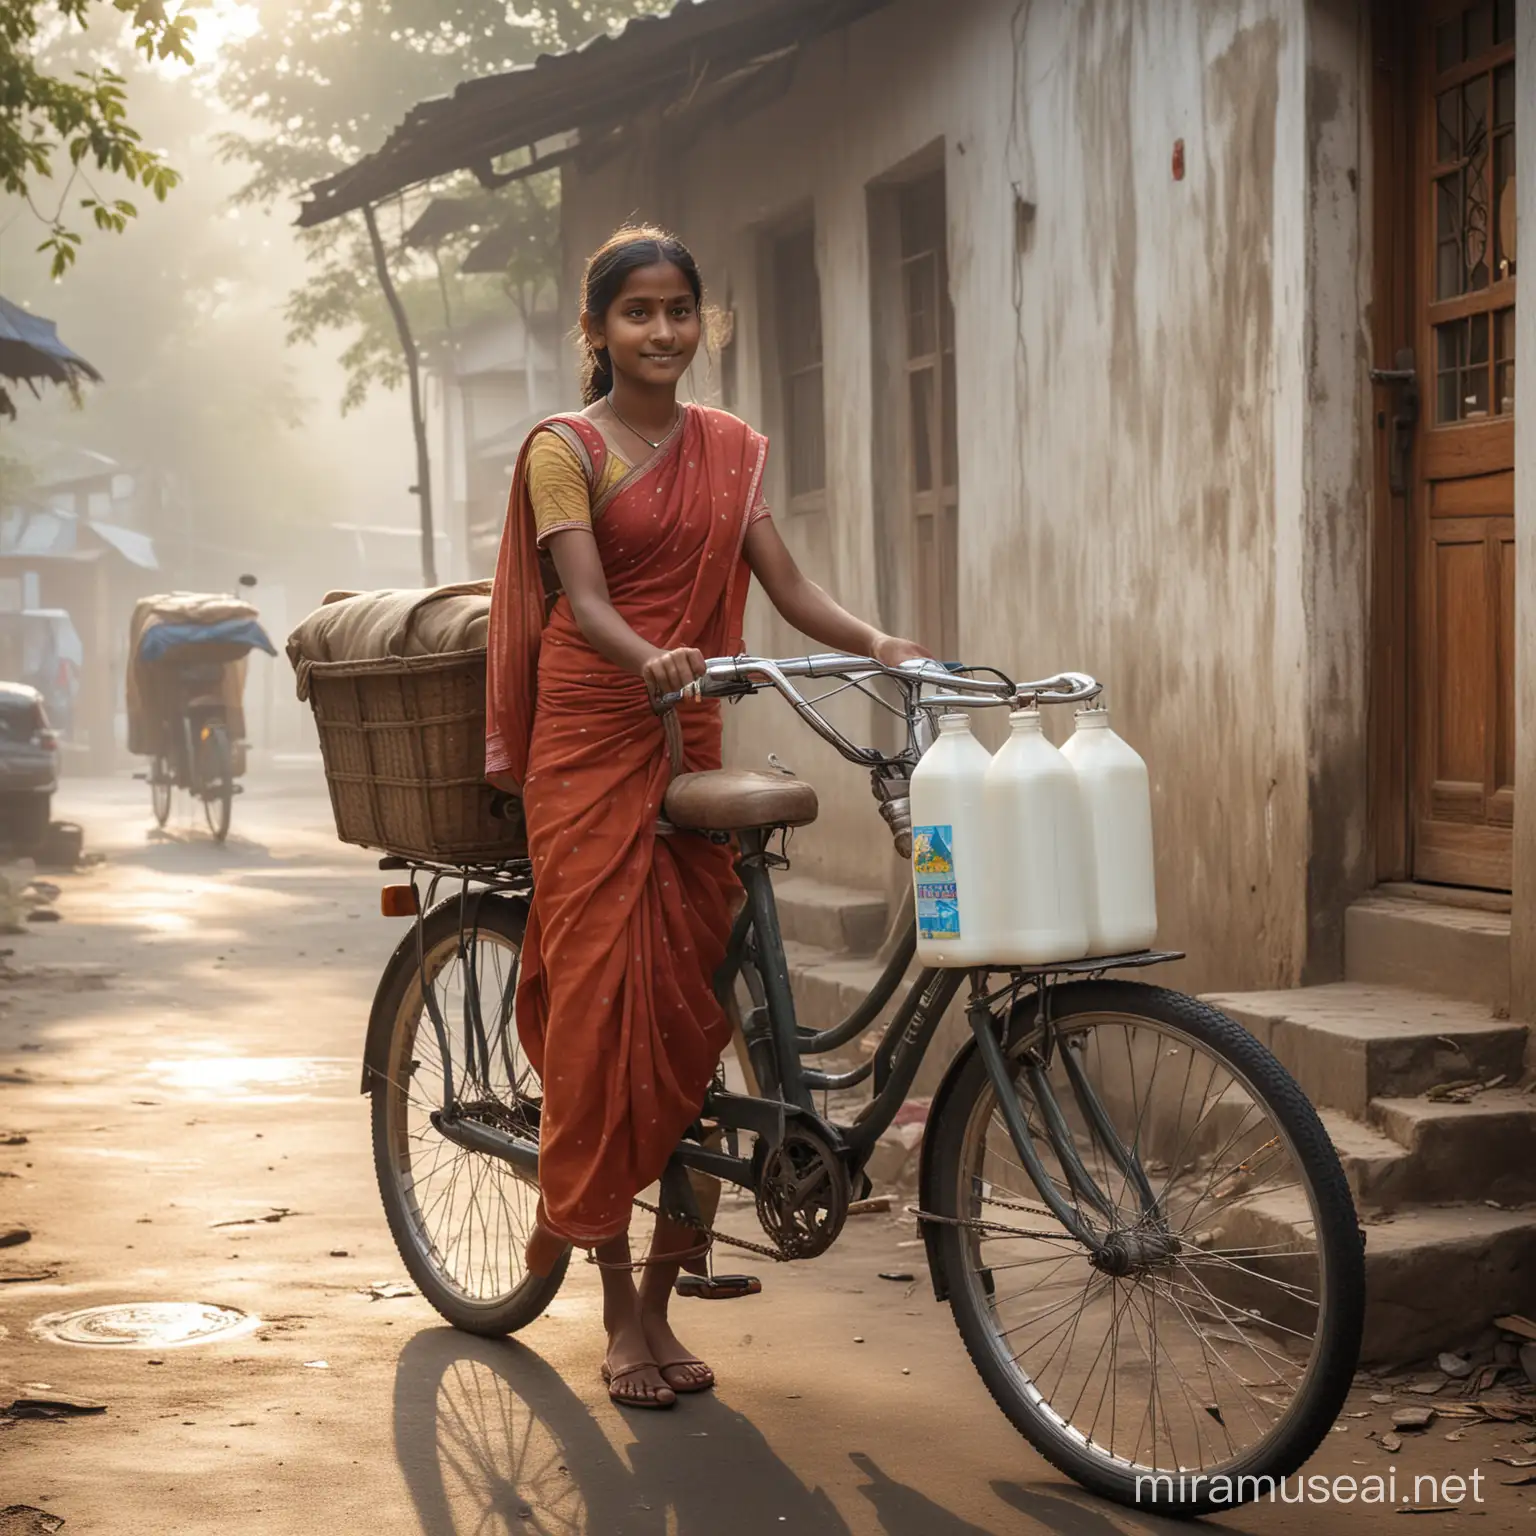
(783, 375)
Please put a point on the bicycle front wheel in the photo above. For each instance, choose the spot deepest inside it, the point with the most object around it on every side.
(1201, 1342)
(461, 1219)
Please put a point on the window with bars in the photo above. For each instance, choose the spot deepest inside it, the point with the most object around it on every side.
(797, 331)
(1472, 281)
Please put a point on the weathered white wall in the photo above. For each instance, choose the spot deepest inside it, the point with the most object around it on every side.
(1337, 461)
(1159, 402)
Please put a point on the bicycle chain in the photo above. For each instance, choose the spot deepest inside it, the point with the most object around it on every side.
(761, 1249)
(971, 1223)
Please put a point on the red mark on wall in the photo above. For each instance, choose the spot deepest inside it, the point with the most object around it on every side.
(1178, 159)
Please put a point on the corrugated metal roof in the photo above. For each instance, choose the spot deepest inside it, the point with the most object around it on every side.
(602, 85)
(137, 548)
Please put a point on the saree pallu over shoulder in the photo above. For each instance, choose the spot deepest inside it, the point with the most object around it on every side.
(519, 609)
(615, 1003)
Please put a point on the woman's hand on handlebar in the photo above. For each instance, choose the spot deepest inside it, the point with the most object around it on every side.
(892, 651)
(671, 671)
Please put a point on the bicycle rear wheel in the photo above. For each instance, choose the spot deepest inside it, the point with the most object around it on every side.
(1209, 1348)
(216, 775)
(160, 790)
(460, 1219)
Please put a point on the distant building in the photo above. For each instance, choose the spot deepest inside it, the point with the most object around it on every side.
(68, 545)
(493, 383)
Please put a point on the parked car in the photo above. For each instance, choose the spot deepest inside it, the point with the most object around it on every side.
(29, 768)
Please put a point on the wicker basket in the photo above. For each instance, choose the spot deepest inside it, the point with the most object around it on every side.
(404, 747)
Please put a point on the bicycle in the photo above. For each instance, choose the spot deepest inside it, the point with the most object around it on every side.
(1160, 1282)
(197, 754)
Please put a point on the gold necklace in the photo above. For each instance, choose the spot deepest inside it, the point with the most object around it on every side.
(676, 411)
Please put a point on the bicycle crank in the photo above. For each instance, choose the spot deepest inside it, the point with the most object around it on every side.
(803, 1193)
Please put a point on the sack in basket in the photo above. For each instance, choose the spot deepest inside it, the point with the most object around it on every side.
(396, 680)
(391, 624)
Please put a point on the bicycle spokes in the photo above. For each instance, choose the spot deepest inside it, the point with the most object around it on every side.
(1169, 1313)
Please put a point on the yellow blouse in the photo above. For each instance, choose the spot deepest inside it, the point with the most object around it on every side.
(557, 484)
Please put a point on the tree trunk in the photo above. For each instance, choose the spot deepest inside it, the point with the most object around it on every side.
(423, 486)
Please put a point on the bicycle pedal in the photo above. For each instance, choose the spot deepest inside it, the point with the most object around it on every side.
(717, 1287)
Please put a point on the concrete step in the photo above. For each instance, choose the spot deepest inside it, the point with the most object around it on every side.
(1378, 1168)
(1484, 1150)
(834, 917)
(1450, 950)
(1348, 1043)
(1435, 1275)
(828, 986)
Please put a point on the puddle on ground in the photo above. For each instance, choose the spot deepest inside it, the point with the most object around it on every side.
(145, 1325)
(222, 1076)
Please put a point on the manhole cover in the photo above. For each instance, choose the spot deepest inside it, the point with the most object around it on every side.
(144, 1325)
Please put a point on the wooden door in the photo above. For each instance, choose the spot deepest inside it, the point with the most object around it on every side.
(1462, 527)
(933, 460)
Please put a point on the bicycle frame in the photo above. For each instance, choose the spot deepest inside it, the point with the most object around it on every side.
(755, 954)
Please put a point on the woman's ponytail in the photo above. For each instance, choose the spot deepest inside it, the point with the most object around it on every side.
(596, 373)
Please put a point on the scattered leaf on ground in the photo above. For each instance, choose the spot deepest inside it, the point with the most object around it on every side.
(52, 1405)
(276, 1213)
(386, 1290)
(25, 1520)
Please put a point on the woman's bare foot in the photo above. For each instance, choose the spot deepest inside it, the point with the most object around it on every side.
(630, 1370)
(680, 1369)
(544, 1250)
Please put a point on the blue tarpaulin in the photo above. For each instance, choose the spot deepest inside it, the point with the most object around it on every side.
(30, 349)
(162, 639)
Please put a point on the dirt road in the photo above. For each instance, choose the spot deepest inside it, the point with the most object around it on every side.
(180, 1053)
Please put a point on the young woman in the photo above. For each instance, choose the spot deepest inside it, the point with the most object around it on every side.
(652, 515)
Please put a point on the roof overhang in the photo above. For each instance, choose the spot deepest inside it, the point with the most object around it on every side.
(30, 350)
(548, 110)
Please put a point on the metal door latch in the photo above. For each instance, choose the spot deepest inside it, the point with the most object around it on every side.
(1404, 378)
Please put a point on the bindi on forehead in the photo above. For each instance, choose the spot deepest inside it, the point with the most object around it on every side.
(662, 281)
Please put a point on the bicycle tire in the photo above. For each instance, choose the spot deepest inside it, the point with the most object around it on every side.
(972, 1290)
(216, 772)
(160, 790)
(499, 921)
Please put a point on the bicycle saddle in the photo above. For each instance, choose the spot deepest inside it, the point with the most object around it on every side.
(738, 800)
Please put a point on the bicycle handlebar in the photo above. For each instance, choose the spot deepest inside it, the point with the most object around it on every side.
(736, 676)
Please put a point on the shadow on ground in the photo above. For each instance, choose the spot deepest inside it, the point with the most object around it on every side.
(491, 1440)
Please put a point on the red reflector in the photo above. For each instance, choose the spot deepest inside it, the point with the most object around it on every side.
(399, 901)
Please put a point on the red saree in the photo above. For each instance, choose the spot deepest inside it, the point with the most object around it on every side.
(615, 1005)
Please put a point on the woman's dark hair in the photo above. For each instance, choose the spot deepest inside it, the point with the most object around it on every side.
(626, 250)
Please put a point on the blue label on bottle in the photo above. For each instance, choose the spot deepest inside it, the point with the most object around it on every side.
(933, 864)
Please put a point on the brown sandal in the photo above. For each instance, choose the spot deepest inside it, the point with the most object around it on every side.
(691, 1386)
(610, 1377)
